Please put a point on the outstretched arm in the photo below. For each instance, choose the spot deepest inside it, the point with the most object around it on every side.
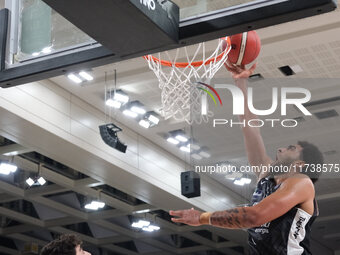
(292, 192)
(256, 152)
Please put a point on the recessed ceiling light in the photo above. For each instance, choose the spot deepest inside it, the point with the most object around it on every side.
(86, 76)
(181, 138)
(113, 103)
(204, 154)
(7, 168)
(130, 113)
(185, 148)
(138, 110)
(196, 156)
(74, 78)
(239, 182)
(144, 123)
(121, 96)
(153, 119)
(194, 146)
(172, 140)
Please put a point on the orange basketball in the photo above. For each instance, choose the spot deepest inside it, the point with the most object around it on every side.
(245, 48)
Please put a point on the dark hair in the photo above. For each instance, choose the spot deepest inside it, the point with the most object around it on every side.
(64, 245)
(311, 155)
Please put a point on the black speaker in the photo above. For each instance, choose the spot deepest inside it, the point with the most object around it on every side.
(190, 184)
(108, 133)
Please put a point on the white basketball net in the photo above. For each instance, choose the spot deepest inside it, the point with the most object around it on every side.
(180, 96)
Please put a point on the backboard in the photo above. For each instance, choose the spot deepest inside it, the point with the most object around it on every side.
(47, 38)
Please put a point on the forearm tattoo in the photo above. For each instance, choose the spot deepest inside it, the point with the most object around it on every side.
(233, 218)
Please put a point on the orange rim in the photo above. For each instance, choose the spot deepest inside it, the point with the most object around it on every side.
(185, 64)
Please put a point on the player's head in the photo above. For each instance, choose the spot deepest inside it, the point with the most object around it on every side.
(65, 245)
(303, 154)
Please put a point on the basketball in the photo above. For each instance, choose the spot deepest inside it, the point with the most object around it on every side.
(245, 48)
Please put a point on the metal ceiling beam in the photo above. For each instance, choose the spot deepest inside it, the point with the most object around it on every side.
(20, 217)
(13, 149)
(28, 239)
(64, 183)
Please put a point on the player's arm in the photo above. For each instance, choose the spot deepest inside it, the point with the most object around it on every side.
(254, 144)
(292, 192)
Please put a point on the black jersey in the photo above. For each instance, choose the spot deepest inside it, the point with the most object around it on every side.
(286, 235)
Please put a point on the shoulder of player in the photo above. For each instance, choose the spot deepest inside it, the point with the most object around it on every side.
(299, 182)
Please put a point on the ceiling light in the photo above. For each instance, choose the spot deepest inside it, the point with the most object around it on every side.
(194, 146)
(204, 154)
(94, 205)
(172, 140)
(7, 168)
(154, 227)
(145, 225)
(91, 207)
(113, 103)
(141, 224)
(35, 54)
(86, 76)
(153, 119)
(144, 123)
(142, 211)
(147, 229)
(30, 181)
(181, 138)
(74, 78)
(99, 204)
(196, 156)
(185, 148)
(138, 110)
(238, 182)
(151, 228)
(41, 181)
(136, 225)
(242, 181)
(130, 113)
(121, 97)
(246, 180)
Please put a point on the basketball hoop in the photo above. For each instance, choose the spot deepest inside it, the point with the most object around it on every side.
(178, 81)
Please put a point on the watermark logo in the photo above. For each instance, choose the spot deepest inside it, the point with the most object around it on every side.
(149, 3)
(209, 93)
(240, 102)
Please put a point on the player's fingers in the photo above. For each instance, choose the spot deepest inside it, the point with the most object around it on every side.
(239, 69)
(177, 220)
(253, 67)
(228, 67)
(176, 213)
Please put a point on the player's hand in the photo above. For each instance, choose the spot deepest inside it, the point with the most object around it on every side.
(190, 217)
(239, 72)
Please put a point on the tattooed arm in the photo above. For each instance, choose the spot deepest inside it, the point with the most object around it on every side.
(292, 192)
(240, 217)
